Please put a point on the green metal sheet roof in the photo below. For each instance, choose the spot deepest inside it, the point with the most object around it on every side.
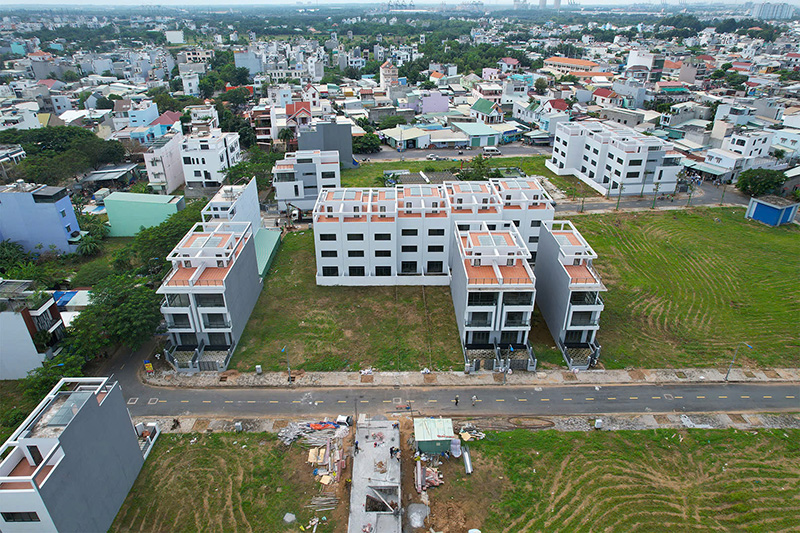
(140, 197)
(427, 429)
(482, 105)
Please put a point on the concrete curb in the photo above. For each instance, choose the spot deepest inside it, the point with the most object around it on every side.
(459, 379)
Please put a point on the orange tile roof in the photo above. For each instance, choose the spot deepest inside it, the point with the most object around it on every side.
(571, 61)
(570, 237)
(580, 274)
(516, 274)
(181, 276)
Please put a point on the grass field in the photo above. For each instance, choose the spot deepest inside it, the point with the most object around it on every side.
(336, 328)
(685, 287)
(660, 480)
(14, 407)
(216, 485)
(367, 173)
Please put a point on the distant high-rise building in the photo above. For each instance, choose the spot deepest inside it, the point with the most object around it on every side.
(770, 11)
(556, 4)
(542, 4)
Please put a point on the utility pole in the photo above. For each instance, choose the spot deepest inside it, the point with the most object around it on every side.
(619, 196)
(691, 190)
(734, 358)
(654, 196)
(722, 198)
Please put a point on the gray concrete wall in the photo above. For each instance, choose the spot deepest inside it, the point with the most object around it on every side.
(243, 287)
(101, 461)
(330, 136)
(552, 284)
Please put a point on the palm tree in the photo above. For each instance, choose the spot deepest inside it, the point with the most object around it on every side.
(286, 135)
(89, 246)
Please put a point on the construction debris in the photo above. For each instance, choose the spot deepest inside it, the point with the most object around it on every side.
(469, 432)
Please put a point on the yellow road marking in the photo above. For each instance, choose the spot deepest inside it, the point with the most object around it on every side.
(612, 398)
(522, 399)
(251, 401)
(567, 399)
(206, 401)
(273, 401)
(432, 401)
(384, 401)
(655, 397)
(790, 397)
(768, 397)
(701, 397)
(545, 399)
(633, 398)
(723, 397)
(364, 401)
(745, 396)
(162, 401)
(184, 401)
(589, 399)
(499, 400)
(228, 401)
(295, 401)
(679, 397)
(342, 401)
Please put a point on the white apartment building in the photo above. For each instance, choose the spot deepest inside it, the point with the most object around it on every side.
(191, 84)
(613, 159)
(20, 117)
(402, 235)
(70, 465)
(300, 176)
(235, 203)
(209, 294)
(569, 292)
(163, 163)
(206, 154)
(203, 116)
(749, 143)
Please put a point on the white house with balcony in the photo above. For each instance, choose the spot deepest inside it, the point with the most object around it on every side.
(300, 176)
(206, 154)
(209, 294)
(615, 160)
(569, 292)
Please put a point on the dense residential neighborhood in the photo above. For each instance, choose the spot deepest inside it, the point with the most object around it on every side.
(449, 249)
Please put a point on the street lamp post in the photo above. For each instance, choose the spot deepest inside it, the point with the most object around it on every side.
(619, 196)
(654, 196)
(735, 353)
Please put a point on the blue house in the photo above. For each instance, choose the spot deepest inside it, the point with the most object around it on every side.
(772, 210)
(34, 215)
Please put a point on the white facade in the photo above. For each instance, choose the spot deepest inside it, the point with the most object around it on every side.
(614, 159)
(207, 154)
(402, 235)
(750, 144)
(191, 84)
(235, 203)
(19, 117)
(163, 163)
(300, 176)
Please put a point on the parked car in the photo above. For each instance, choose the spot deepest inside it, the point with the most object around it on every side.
(432, 157)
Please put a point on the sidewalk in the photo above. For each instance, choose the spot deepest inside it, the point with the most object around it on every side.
(234, 379)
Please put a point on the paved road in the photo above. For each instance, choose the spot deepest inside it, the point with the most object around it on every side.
(145, 400)
(541, 401)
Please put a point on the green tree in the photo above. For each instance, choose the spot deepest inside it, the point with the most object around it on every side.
(70, 76)
(11, 255)
(391, 121)
(758, 181)
(779, 154)
(41, 380)
(104, 103)
(152, 245)
(89, 246)
(286, 135)
(258, 164)
(369, 143)
(540, 85)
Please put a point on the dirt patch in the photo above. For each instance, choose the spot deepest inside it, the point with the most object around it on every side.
(279, 424)
(200, 425)
(772, 374)
(737, 419)
(662, 419)
(636, 375)
(680, 375)
(367, 378)
(569, 376)
(749, 374)
(430, 378)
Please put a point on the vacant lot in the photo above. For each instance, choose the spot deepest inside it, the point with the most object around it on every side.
(661, 480)
(685, 287)
(336, 328)
(222, 482)
(368, 174)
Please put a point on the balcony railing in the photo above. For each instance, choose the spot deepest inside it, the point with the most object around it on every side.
(585, 322)
(517, 323)
(478, 323)
(586, 299)
(216, 324)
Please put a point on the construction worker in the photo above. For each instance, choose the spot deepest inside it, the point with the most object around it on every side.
(474, 399)
(456, 400)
